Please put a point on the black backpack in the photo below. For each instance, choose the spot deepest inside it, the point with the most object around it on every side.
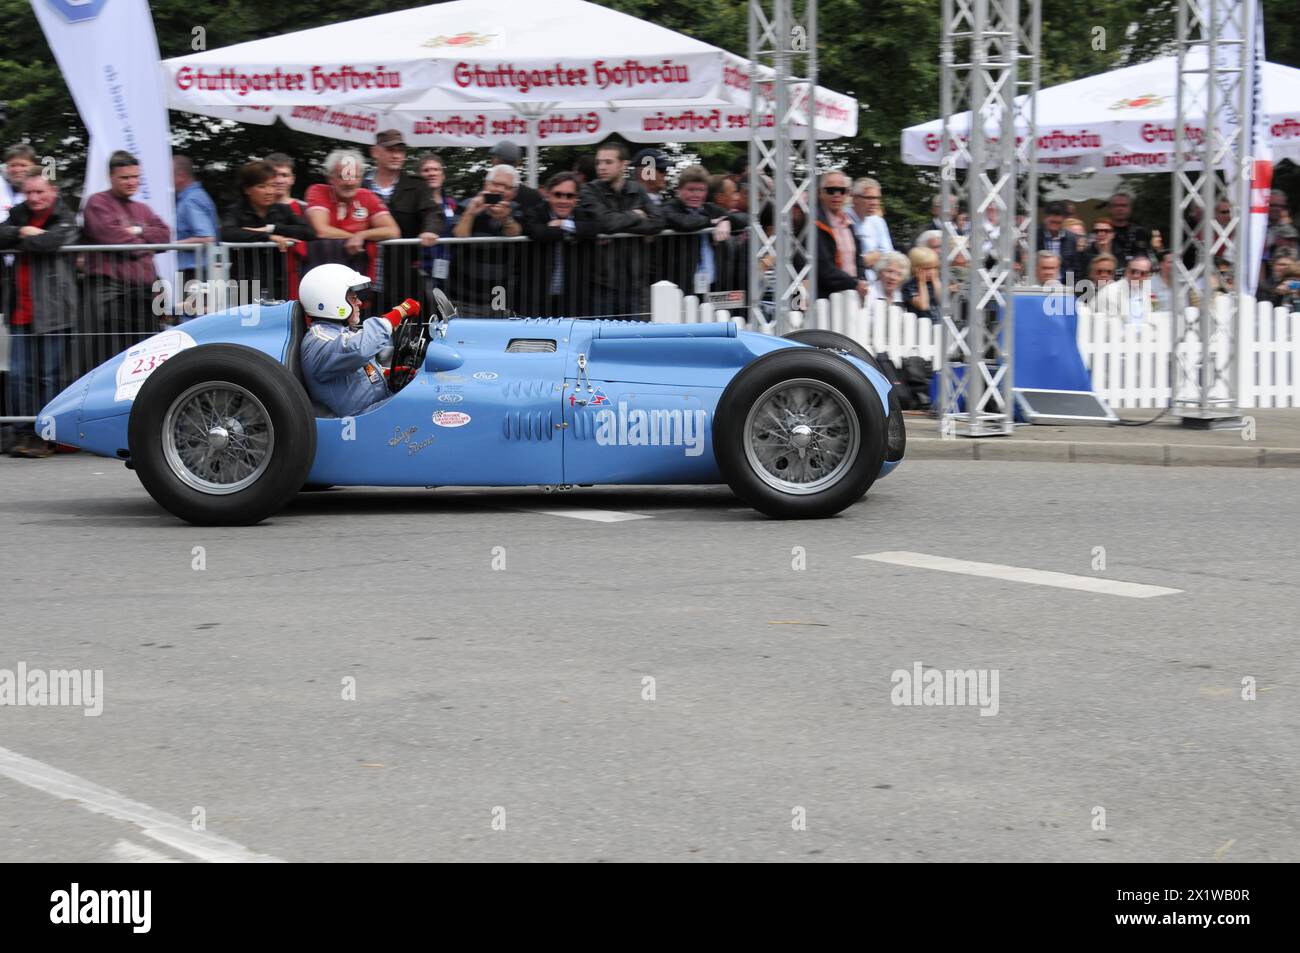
(896, 378)
(915, 376)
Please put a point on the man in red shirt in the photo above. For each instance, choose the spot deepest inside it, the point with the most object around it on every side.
(43, 292)
(120, 285)
(347, 218)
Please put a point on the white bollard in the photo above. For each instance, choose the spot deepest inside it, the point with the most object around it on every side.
(665, 303)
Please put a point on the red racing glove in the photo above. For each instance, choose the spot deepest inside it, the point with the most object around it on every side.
(409, 308)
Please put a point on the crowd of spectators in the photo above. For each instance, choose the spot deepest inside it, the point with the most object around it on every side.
(590, 243)
(1118, 266)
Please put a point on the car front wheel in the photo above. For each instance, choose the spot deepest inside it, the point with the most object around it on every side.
(222, 435)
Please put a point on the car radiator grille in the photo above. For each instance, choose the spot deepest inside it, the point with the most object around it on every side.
(529, 425)
(531, 346)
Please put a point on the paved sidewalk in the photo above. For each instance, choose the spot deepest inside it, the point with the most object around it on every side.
(1166, 442)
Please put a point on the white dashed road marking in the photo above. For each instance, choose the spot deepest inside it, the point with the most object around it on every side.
(596, 516)
(1036, 577)
(164, 828)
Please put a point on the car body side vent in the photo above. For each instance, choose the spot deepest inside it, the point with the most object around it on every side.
(531, 346)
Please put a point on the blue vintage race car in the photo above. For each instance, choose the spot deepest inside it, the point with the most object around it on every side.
(214, 418)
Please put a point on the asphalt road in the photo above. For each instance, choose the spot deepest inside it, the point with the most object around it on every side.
(514, 697)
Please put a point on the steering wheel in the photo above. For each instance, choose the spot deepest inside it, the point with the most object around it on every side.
(443, 308)
(409, 341)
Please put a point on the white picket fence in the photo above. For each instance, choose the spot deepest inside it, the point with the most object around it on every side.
(1129, 363)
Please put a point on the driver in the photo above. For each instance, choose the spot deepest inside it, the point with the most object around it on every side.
(340, 353)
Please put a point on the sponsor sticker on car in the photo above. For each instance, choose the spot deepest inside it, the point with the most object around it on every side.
(486, 375)
(450, 398)
(145, 358)
(450, 418)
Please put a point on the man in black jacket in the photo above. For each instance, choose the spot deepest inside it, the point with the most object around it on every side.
(40, 299)
(411, 204)
(1061, 242)
(557, 276)
(484, 275)
(619, 205)
(839, 248)
(1131, 239)
(706, 263)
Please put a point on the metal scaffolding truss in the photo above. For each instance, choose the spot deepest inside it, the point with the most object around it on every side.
(782, 169)
(1213, 133)
(988, 57)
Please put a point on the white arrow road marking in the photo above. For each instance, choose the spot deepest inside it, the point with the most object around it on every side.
(127, 853)
(164, 828)
(1036, 577)
(595, 516)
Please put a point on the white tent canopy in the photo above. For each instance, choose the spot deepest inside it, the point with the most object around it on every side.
(474, 72)
(1121, 121)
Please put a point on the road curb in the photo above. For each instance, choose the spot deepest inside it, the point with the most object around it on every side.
(1071, 451)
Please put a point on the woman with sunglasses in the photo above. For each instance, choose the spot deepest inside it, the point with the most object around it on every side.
(1102, 242)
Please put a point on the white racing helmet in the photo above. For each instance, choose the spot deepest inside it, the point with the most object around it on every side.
(324, 291)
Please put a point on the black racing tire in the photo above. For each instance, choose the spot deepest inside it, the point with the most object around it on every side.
(895, 430)
(834, 341)
(271, 416)
(854, 409)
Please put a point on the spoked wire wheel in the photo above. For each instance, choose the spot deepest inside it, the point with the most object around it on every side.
(217, 437)
(801, 436)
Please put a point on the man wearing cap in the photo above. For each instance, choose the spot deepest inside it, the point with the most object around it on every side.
(506, 152)
(408, 199)
(650, 166)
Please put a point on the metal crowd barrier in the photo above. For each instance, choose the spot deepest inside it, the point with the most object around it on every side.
(117, 295)
(87, 303)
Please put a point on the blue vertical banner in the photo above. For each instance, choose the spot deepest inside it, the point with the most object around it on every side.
(108, 53)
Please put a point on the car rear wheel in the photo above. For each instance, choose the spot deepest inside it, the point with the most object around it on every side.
(222, 435)
(834, 341)
(799, 434)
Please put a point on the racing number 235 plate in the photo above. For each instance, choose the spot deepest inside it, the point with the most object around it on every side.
(145, 358)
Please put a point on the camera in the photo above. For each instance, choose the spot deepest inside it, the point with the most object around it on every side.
(491, 198)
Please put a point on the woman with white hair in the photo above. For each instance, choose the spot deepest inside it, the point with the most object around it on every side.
(931, 239)
(892, 270)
